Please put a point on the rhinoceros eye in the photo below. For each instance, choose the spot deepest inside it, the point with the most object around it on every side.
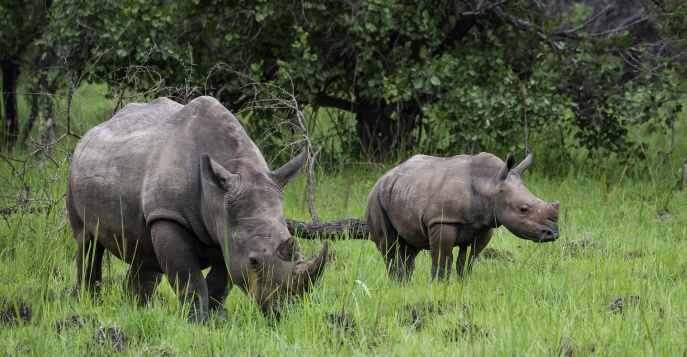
(254, 264)
(525, 210)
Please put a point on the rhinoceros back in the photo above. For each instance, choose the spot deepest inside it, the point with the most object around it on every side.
(143, 164)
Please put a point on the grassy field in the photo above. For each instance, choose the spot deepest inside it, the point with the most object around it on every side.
(613, 284)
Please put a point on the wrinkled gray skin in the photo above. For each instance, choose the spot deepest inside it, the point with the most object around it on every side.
(173, 189)
(440, 203)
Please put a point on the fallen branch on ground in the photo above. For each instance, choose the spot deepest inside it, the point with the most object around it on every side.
(348, 228)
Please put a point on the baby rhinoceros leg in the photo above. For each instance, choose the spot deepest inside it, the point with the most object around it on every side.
(442, 239)
(476, 247)
(176, 253)
(398, 254)
(89, 262)
(400, 260)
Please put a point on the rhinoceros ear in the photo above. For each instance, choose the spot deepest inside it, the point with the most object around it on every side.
(290, 170)
(524, 165)
(507, 166)
(227, 180)
(286, 249)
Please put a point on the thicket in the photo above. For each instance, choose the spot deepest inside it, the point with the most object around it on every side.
(377, 79)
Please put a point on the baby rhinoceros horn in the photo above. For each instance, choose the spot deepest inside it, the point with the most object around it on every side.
(306, 274)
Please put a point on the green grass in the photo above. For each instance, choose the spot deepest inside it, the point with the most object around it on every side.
(623, 236)
(527, 299)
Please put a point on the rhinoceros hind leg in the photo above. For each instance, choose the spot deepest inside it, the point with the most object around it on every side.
(442, 238)
(177, 256)
(89, 259)
(401, 260)
(398, 255)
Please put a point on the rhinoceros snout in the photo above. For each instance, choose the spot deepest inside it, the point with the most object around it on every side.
(548, 235)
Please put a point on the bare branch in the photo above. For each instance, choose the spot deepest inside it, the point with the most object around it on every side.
(483, 11)
(341, 229)
(526, 26)
(311, 180)
(572, 32)
(621, 28)
(270, 96)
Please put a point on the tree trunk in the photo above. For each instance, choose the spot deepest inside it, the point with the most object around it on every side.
(348, 228)
(10, 74)
(374, 129)
(41, 102)
(380, 134)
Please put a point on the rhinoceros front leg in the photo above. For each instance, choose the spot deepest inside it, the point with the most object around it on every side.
(143, 280)
(176, 252)
(217, 282)
(442, 239)
(477, 246)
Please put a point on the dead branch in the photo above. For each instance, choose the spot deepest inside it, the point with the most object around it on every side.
(270, 96)
(311, 180)
(348, 228)
(572, 33)
(528, 27)
(480, 11)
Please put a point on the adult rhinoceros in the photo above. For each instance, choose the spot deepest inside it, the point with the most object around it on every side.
(439, 203)
(173, 189)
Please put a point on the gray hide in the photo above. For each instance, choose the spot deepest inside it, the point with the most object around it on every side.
(440, 203)
(173, 189)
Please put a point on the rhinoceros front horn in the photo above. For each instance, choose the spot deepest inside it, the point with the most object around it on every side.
(524, 165)
(307, 273)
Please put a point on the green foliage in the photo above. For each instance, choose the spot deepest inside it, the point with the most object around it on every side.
(21, 22)
(129, 45)
(411, 80)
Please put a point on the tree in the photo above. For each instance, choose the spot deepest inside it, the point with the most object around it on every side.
(468, 74)
(21, 23)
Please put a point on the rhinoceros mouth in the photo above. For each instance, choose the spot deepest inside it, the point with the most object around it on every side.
(546, 235)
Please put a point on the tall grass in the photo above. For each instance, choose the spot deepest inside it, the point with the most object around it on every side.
(613, 284)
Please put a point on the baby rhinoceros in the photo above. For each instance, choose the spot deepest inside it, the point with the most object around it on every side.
(439, 203)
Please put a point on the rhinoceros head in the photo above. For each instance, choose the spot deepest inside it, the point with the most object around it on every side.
(518, 209)
(274, 280)
(245, 215)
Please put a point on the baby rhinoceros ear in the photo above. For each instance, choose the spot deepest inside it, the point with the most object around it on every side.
(227, 181)
(290, 170)
(507, 166)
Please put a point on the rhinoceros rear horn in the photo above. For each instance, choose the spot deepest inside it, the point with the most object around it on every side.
(524, 165)
(290, 170)
(503, 173)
